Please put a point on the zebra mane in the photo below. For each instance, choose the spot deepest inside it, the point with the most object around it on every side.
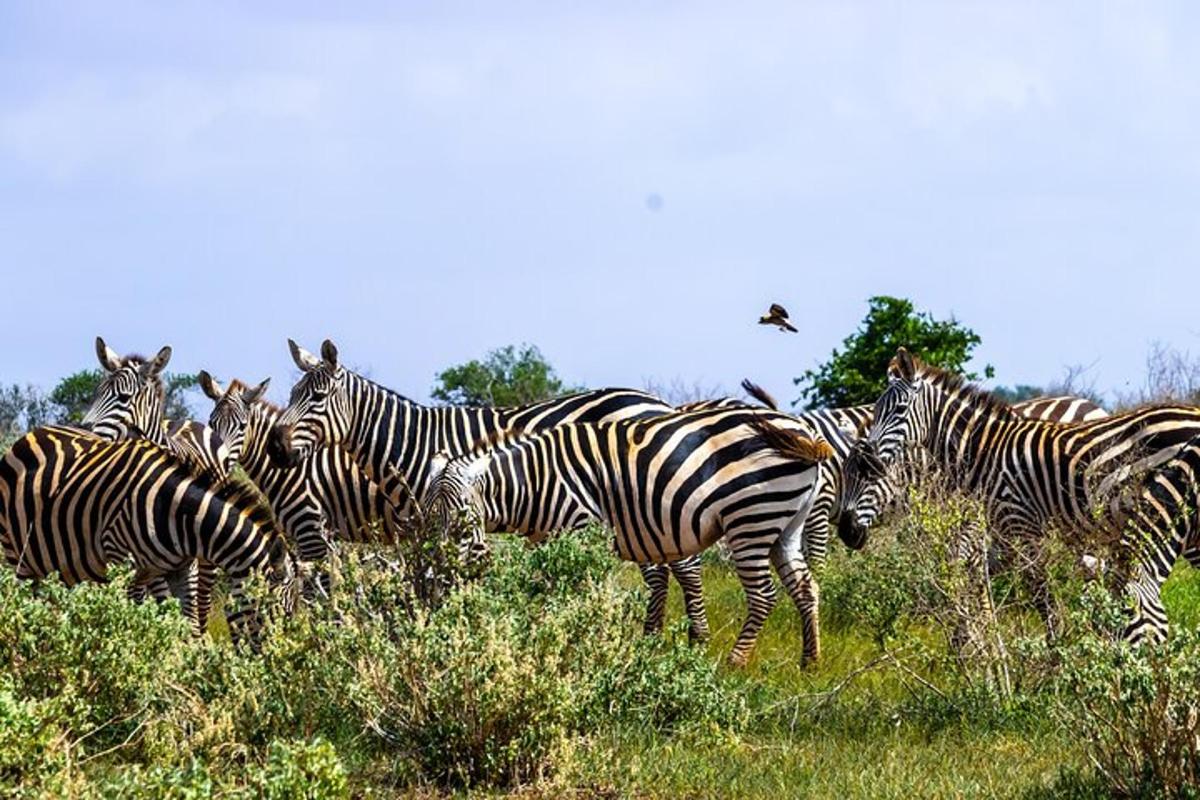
(242, 386)
(977, 397)
(493, 440)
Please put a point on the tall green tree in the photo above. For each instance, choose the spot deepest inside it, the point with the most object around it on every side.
(857, 373)
(507, 376)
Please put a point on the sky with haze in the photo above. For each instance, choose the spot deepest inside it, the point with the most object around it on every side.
(625, 185)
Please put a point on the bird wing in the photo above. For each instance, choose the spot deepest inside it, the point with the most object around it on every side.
(778, 311)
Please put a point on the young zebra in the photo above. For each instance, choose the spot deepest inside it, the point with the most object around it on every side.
(1130, 478)
(393, 439)
(326, 497)
(668, 487)
(72, 503)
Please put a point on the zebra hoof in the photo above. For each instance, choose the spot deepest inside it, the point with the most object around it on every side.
(738, 660)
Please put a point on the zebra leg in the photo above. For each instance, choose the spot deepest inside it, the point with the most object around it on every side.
(752, 563)
(788, 559)
(243, 617)
(656, 577)
(687, 572)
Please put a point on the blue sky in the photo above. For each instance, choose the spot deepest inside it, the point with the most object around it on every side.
(425, 181)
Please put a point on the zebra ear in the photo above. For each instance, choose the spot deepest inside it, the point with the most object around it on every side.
(155, 365)
(305, 360)
(250, 396)
(210, 386)
(107, 356)
(329, 353)
(902, 366)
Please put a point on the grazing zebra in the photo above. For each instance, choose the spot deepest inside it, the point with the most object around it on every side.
(72, 503)
(668, 487)
(326, 497)
(393, 439)
(1130, 478)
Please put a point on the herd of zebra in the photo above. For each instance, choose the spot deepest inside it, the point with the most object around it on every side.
(349, 460)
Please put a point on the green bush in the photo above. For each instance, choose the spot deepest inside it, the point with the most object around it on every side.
(1136, 708)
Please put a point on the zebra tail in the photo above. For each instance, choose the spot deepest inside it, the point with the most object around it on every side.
(791, 444)
(760, 394)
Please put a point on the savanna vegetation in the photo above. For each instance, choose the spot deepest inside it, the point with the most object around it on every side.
(534, 680)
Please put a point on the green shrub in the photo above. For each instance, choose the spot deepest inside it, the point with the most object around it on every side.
(1136, 708)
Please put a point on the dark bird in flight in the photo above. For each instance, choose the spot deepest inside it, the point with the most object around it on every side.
(778, 316)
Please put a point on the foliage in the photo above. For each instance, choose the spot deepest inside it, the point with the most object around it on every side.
(505, 377)
(74, 394)
(857, 373)
(1019, 393)
(496, 687)
(1137, 708)
(21, 409)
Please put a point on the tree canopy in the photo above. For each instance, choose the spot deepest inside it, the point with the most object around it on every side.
(857, 373)
(507, 376)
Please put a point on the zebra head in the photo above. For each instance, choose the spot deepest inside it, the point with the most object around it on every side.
(231, 410)
(870, 474)
(866, 491)
(454, 507)
(318, 412)
(130, 398)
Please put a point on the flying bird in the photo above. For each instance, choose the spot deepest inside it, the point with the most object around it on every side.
(778, 316)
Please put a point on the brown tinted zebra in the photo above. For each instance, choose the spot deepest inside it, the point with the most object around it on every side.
(72, 503)
(1130, 478)
(668, 487)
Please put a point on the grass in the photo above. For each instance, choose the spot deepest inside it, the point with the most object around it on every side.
(843, 756)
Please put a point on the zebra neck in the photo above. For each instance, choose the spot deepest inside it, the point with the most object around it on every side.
(393, 439)
(964, 424)
(253, 457)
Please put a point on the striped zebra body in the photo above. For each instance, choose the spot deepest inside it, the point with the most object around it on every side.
(668, 487)
(1130, 478)
(327, 497)
(72, 503)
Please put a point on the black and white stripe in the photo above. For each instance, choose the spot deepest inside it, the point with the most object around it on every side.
(668, 486)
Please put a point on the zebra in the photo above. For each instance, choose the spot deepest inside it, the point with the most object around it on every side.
(327, 497)
(1130, 477)
(130, 402)
(393, 439)
(72, 503)
(668, 487)
(840, 427)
